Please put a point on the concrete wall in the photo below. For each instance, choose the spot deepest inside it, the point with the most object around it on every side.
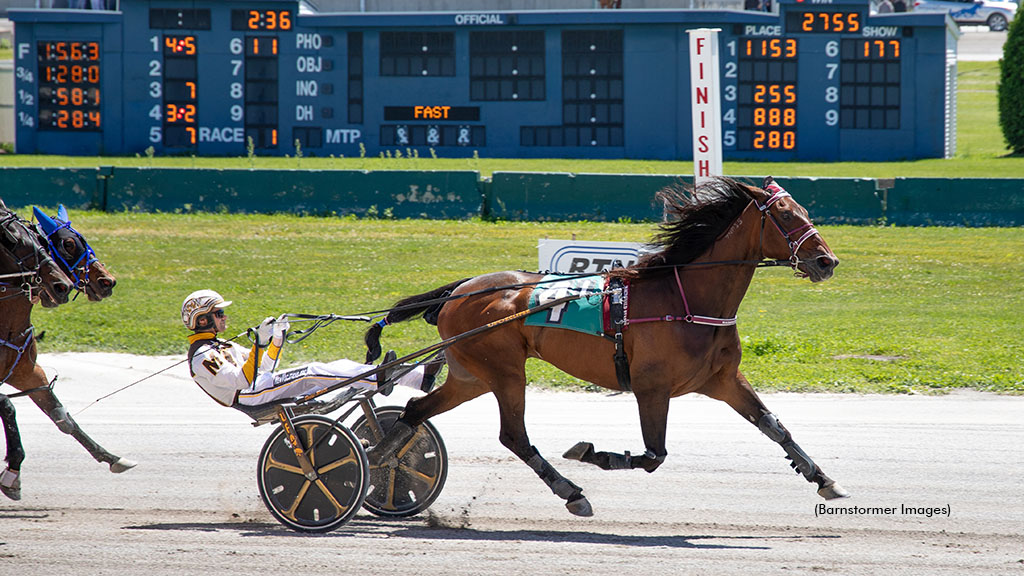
(507, 195)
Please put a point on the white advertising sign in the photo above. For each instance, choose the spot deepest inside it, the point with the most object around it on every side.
(577, 256)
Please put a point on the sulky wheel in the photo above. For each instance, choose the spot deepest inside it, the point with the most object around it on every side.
(408, 482)
(330, 500)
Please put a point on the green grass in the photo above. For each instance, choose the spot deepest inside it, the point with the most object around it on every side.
(922, 309)
(981, 153)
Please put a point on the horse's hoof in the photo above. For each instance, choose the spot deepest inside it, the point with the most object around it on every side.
(833, 491)
(122, 465)
(578, 451)
(580, 506)
(10, 484)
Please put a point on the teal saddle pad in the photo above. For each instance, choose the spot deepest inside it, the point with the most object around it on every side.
(582, 315)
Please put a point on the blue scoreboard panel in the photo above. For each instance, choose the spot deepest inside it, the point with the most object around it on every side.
(822, 80)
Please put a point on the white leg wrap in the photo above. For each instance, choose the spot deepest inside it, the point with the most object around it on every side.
(8, 478)
(60, 417)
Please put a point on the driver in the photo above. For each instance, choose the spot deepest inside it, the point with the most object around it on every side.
(231, 373)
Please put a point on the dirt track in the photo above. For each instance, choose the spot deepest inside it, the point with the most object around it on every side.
(725, 501)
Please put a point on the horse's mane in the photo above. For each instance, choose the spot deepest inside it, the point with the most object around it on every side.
(696, 218)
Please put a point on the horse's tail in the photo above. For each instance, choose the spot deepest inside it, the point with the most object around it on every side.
(406, 309)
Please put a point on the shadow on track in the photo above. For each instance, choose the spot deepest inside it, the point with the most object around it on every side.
(421, 531)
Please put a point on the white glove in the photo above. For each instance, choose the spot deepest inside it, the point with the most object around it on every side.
(265, 331)
(281, 327)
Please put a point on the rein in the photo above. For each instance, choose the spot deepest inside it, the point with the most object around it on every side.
(373, 314)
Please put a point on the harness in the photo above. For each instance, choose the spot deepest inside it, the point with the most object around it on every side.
(32, 276)
(19, 350)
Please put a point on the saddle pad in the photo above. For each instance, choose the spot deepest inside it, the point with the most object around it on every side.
(581, 315)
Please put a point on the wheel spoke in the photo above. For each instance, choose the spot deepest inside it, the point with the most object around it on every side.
(390, 490)
(273, 463)
(290, 512)
(350, 459)
(410, 471)
(338, 507)
(408, 445)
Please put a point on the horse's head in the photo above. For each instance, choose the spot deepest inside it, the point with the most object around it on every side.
(787, 233)
(26, 265)
(74, 255)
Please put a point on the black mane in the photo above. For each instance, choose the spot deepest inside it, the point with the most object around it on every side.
(697, 217)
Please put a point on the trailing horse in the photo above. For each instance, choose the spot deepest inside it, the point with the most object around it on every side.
(65, 252)
(26, 273)
(675, 333)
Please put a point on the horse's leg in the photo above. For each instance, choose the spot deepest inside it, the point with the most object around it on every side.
(460, 386)
(653, 405)
(510, 390)
(51, 406)
(737, 393)
(10, 482)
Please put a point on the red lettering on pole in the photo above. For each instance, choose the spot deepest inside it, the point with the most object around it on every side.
(702, 95)
(704, 168)
(703, 119)
(700, 45)
(703, 144)
(700, 69)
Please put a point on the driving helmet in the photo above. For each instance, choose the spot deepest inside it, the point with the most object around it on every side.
(198, 304)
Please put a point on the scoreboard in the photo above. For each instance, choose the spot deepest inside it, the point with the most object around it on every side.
(822, 80)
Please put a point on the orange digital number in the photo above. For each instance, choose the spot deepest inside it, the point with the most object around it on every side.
(808, 23)
(881, 48)
(774, 139)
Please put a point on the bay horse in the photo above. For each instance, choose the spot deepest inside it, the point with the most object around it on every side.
(26, 273)
(681, 336)
(74, 259)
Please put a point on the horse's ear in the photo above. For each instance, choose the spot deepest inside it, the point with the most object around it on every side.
(45, 222)
(768, 180)
(62, 214)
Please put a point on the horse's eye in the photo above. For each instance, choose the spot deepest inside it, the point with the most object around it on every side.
(787, 215)
(68, 246)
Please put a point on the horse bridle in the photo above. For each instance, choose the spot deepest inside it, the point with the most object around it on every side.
(808, 230)
(31, 275)
(71, 268)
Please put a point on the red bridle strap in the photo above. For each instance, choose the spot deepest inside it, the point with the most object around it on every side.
(808, 229)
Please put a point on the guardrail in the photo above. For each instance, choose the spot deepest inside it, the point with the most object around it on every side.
(506, 195)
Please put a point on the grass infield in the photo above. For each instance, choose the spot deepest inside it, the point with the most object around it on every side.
(909, 309)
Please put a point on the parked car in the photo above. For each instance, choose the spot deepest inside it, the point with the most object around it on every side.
(996, 14)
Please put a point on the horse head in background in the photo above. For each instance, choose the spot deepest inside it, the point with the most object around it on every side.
(74, 255)
(27, 267)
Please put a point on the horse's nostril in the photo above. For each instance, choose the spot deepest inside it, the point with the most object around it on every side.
(827, 263)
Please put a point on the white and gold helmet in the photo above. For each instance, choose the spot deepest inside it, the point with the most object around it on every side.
(198, 304)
